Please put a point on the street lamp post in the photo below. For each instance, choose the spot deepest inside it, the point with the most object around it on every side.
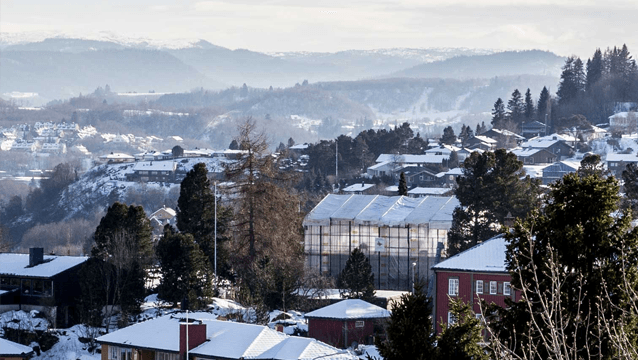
(215, 235)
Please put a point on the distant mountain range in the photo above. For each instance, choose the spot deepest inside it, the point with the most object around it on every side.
(61, 67)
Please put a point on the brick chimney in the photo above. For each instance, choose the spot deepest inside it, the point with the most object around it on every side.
(196, 337)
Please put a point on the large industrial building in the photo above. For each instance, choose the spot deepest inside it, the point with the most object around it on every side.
(395, 232)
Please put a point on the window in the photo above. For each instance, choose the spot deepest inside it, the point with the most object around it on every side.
(507, 289)
(26, 286)
(500, 288)
(493, 287)
(359, 324)
(166, 356)
(479, 286)
(451, 319)
(453, 286)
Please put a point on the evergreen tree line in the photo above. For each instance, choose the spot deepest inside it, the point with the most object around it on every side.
(590, 89)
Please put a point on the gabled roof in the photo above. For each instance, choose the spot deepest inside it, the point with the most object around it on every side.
(428, 191)
(231, 340)
(18, 265)
(350, 309)
(488, 256)
(13, 349)
(161, 333)
(528, 152)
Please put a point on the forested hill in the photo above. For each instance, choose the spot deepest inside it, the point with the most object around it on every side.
(533, 62)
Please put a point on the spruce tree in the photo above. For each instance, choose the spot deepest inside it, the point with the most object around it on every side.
(403, 185)
(123, 240)
(184, 268)
(448, 138)
(579, 240)
(356, 280)
(492, 186)
(196, 216)
(543, 105)
(453, 161)
(409, 332)
(515, 108)
(498, 115)
(461, 340)
(595, 71)
(529, 106)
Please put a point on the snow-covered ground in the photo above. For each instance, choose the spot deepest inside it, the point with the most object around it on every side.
(72, 342)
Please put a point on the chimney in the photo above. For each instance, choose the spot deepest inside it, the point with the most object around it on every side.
(36, 256)
(196, 337)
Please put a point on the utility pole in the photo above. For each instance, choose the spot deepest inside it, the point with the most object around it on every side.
(337, 162)
(215, 235)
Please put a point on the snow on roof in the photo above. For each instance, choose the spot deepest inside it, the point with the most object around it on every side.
(296, 347)
(416, 159)
(358, 187)
(488, 256)
(303, 146)
(534, 171)
(118, 156)
(168, 210)
(385, 210)
(161, 333)
(622, 157)
(155, 166)
(350, 309)
(455, 171)
(428, 191)
(526, 152)
(507, 133)
(486, 139)
(17, 264)
(232, 340)
(12, 349)
(378, 165)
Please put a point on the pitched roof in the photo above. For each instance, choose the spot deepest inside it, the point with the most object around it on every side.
(358, 187)
(224, 339)
(350, 309)
(18, 264)
(161, 333)
(488, 256)
(13, 349)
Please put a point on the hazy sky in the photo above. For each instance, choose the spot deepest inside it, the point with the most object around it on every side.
(563, 26)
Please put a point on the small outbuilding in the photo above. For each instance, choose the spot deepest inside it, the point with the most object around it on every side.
(10, 350)
(346, 322)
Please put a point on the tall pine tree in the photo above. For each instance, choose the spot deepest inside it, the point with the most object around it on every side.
(529, 106)
(498, 115)
(356, 280)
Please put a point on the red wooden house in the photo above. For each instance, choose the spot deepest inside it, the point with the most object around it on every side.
(477, 273)
(345, 322)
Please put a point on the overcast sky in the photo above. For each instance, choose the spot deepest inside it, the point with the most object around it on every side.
(563, 26)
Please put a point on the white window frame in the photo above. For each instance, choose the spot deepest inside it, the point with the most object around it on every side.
(479, 286)
(114, 352)
(451, 319)
(160, 355)
(493, 287)
(507, 288)
(453, 286)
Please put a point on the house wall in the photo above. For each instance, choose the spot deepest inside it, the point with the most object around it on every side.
(341, 333)
(327, 249)
(467, 282)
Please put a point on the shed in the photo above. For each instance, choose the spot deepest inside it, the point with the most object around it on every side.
(348, 321)
(10, 350)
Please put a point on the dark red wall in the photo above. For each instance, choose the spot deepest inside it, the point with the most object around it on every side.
(196, 337)
(332, 331)
(466, 290)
